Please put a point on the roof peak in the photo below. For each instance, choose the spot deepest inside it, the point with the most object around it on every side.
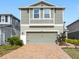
(42, 1)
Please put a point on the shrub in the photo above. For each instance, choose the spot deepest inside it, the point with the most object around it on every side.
(72, 41)
(15, 41)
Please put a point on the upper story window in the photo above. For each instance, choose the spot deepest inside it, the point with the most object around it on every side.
(46, 13)
(36, 13)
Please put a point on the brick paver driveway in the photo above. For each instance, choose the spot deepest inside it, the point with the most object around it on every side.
(37, 52)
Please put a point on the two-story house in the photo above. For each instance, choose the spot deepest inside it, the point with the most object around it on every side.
(9, 27)
(41, 23)
(73, 30)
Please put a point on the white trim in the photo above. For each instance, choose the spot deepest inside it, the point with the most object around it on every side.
(54, 12)
(20, 20)
(63, 15)
(63, 19)
(23, 38)
(49, 14)
(33, 13)
(29, 15)
(3, 37)
(46, 25)
(20, 16)
(39, 14)
(42, 31)
(24, 25)
(42, 25)
(58, 25)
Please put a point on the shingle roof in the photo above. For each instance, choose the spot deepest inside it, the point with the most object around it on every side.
(10, 15)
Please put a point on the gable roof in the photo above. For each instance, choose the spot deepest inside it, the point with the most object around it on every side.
(49, 5)
(8, 14)
(73, 23)
(42, 2)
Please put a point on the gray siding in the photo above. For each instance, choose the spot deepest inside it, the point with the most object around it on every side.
(15, 26)
(73, 35)
(52, 13)
(8, 32)
(31, 13)
(24, 17)
(74, 27)
(59, 16)
(41, 21)
(5, 34)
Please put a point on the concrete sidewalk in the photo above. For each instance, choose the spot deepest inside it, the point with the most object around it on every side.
(50, 51)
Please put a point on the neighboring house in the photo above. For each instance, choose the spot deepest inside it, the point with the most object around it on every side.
(41, 23)
(9, 26)
(73, 30)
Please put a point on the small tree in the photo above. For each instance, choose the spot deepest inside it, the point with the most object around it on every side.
(15, 41)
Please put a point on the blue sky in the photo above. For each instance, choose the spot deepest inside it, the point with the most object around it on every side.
(71, 13)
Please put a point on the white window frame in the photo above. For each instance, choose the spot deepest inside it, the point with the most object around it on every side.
(49, 14)
(39, 14)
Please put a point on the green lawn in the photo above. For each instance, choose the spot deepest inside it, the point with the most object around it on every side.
(7, 49)
(73, 52)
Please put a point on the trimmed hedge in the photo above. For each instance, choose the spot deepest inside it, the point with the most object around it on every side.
(15, 41)
(72, 41)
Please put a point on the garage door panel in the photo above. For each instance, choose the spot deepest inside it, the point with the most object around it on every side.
(41, 37)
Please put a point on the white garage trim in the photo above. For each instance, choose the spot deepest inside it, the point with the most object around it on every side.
(42, 31)
(23, 38)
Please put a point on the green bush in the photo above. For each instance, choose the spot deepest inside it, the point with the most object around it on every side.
(15, 41)
(72, 41)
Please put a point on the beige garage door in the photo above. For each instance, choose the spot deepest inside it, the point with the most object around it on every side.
(41, 37)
